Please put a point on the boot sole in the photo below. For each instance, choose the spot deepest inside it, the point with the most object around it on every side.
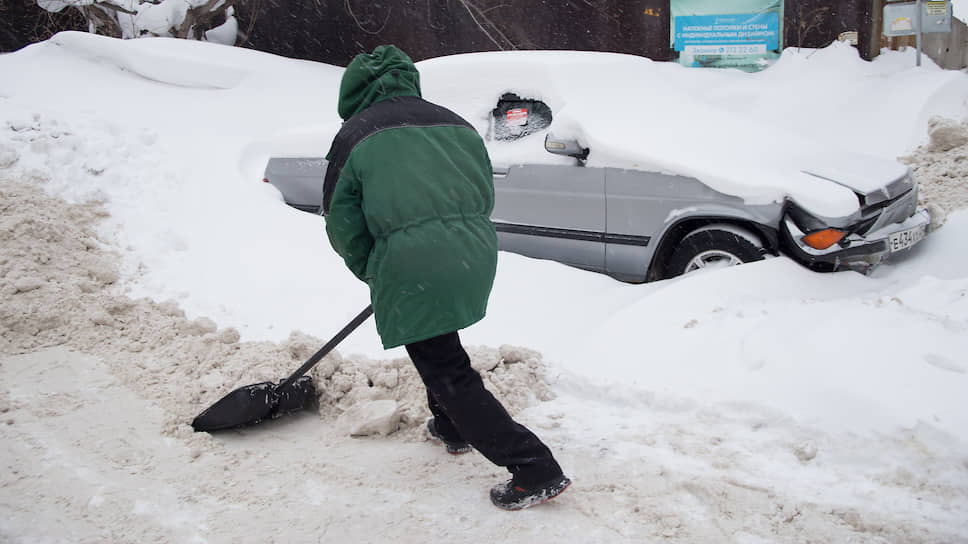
(440, 442)
(516, 509)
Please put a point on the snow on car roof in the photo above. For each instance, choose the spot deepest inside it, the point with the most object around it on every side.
(640, 114)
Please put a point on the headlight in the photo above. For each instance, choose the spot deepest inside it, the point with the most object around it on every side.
(822, 239)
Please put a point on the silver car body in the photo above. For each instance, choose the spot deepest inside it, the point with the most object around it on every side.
(624, 222)
(602, 211)
(605, 219)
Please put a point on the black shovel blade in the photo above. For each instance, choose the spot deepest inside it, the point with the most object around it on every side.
(251, 404)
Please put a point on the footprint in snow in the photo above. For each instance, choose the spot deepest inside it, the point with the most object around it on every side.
(943, 363)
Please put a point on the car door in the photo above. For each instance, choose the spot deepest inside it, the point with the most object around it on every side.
(639, 206)
(643, 206)
(552, 212)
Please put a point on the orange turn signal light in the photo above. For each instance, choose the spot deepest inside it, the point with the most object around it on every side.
(822, 239)
(265, 180)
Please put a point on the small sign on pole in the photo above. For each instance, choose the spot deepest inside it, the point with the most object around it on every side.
(917, 18)
(936, 8)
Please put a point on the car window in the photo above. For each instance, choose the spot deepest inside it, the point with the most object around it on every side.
(516, 117)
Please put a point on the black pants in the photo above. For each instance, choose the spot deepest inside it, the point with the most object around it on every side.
(465, 410)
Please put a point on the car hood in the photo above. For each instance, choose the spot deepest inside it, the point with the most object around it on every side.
(874, 179)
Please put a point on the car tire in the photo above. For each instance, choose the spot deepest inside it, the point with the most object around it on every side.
(723, 245)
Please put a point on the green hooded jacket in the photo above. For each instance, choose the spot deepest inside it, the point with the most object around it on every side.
(408, 196)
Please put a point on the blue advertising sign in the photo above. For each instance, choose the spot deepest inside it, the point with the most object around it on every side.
(736, 34)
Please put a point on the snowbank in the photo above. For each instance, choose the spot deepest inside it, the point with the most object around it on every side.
(941, 165)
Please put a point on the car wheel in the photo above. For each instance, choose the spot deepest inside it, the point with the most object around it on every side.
(714, 246)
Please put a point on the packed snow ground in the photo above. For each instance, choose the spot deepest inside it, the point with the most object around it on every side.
(144, 272)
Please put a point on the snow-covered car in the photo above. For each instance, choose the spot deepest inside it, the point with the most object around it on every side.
(600, 164)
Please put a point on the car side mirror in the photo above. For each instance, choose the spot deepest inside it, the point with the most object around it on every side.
(570, 148)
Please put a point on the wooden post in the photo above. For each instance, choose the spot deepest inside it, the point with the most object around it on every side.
(876, 29)
(920, 26)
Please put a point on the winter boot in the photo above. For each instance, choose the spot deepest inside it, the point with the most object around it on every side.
(453, 448)
(511, 496)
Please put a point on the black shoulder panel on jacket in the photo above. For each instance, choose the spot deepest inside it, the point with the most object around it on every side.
(404, 111)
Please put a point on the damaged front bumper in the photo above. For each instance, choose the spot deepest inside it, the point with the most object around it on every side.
(858, 252)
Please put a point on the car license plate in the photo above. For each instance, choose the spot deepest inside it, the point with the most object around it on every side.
(906, 238)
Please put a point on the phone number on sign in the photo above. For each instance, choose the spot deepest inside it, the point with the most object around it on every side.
(753, 49)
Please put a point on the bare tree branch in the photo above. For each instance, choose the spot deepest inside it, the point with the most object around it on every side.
(808, 22)
(349, 9)
(468, 5)
(100, 20)
(598, 7)
(257, 5)
(37, 23)
(492, 8)
(200, 19)
(108, 6)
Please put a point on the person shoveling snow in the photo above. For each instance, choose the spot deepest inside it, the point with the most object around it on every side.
(407, 198)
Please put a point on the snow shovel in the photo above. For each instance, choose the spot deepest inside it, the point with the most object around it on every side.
(251, 404)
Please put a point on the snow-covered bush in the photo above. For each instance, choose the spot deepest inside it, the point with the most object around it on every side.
(211, 20)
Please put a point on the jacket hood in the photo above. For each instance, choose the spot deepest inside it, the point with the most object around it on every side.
(385, 73)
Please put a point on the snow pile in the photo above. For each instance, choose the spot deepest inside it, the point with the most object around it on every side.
(61, 156)
(941, 165)
(56, 279)
(359, 388)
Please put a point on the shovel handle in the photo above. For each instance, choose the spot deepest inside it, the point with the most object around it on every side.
(323, 351)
